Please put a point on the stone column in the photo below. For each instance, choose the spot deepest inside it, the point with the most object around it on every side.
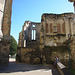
(7, 19)
(72, 30)
(5, 43)
(41, 46)
(67, 26)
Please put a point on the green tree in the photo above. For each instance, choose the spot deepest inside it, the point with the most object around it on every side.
(13, 46)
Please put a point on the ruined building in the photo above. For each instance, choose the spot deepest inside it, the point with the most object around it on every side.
(5, 24)
(56, 28)
(36, 39)
(30, 34)
(52, 31)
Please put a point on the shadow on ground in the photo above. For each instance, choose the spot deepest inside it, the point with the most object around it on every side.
(19, 67)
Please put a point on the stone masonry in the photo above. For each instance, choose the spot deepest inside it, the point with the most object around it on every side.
(5, 41)
(30, 34)
(51, 32)
(56, 28)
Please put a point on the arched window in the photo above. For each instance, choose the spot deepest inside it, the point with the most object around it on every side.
(58, 28)
(63, 27)
(51, 28)
(33, 34)
(46, 28)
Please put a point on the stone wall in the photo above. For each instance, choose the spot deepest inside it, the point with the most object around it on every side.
(27, 37)
(63, 57)
(51, 40)
(56, 28)
(4, 52)
(20, 41)
(46, 56)
(23, 54)
(5, 42)
(72, 53)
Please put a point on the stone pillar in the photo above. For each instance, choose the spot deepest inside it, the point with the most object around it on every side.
(41, 46)
(5, 42)
(72, 29)
(7, 19)
(67, 26)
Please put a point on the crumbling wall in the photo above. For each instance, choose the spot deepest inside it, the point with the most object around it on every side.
(53, 40)
(56, 28)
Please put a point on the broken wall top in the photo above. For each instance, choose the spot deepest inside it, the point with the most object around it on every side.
(71, 0)
(55, 16)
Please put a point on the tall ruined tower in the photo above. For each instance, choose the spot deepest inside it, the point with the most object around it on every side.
(5, 41)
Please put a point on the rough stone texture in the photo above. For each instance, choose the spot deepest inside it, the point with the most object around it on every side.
(4, 53)
(23, 54)
(7, 18)
(5, 42)
(52, 32)
(33, 56)
(27, 34)
(72, 48)
(56, 28)
(20, 43)
(63, 57)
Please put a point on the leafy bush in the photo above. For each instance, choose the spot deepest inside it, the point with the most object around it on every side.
(13, 46)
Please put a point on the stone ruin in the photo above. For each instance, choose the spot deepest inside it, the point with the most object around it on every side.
(36, 39)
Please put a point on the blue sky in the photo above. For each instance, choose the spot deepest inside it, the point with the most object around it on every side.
(32, 10)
